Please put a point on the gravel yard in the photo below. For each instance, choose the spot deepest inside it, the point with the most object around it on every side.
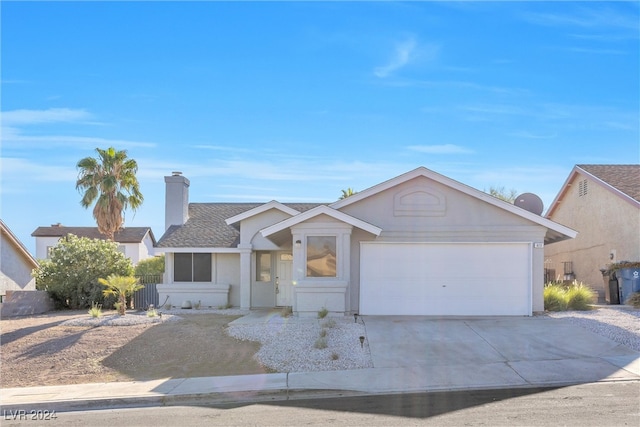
(67, 348)
(620, 323)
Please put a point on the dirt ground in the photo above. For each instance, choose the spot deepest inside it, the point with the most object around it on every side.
(37, 350)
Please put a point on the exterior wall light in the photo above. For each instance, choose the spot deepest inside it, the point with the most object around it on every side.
(298, 243)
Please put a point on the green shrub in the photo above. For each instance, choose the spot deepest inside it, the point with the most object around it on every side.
(554, 298)
(150, 266)
(580, 297)
(634, 300)
(71, 275)
(576, 296)
(323, 313)
(95, 310)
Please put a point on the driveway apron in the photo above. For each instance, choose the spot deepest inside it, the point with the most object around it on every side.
(440, 353)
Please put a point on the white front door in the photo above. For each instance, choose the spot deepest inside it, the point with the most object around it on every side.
(284, 279)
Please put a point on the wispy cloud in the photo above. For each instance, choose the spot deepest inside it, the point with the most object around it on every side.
(531, 135)
(52, 115)
(404, 53)
(440, 149)
(16, 123)
(588, 17)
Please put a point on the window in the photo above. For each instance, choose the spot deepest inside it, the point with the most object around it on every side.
(321, 256)
(50, 251)
(263, 267)
(194, 267)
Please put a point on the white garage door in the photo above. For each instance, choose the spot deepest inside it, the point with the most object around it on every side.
(445, 279)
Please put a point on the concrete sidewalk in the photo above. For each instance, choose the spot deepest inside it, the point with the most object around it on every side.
(469, 354)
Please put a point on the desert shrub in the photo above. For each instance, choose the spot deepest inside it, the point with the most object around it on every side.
(95, 310)
(286, 311)
(330, 323)
(554, 298)
(323, 313)
(321, 343)
(335, 356)
(579, 297)
(150, 266)
(71, 275)
(576, 296)
(323, 333)
(634, 300)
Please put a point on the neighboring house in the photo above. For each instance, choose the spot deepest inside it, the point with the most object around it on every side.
(136, 243)
(417, 244)
(601, 202)
(16, 263)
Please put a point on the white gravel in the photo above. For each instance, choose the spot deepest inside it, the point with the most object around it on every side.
(291, 344)
(620, 323)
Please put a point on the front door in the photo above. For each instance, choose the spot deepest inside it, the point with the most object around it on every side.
(284, 279)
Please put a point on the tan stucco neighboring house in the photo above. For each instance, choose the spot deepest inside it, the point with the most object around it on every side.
(137, 243)
(602, 203)
(417, 244)
(16, 263)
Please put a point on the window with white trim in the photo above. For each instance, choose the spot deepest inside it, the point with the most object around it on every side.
(321, 256)
(192, 267)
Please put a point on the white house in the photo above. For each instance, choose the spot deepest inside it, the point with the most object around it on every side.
(16, 263)
(136, 243)
(417, 244)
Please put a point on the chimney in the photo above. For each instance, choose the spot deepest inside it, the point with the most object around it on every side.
(176, 209)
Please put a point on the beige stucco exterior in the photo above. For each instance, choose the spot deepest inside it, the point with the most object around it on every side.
(16, 264)
(417, 207)
(608, 226)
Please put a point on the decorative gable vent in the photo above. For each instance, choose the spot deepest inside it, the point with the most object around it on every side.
(582, 188)
(419, 201)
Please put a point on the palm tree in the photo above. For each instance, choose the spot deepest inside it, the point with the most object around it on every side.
(109, 181)
(347, 193)
(121, 287)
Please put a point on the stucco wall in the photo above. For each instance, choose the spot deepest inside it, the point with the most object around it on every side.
(15, 272)
(605, 222)
(461, 219)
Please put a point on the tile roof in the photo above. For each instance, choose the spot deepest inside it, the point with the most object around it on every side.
(206, 226)
(625, 178)
(126, 235)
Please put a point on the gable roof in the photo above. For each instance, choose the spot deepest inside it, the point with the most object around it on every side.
(21, 249)
(321, 210)
(207, 225)
(126, 235)
(621, 180)
(262, 208)
(555, 232)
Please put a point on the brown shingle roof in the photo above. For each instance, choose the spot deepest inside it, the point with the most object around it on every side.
(625, 178)
(126, 235)
(206, 226)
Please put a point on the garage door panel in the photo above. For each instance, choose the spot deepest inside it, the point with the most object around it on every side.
(445, 279)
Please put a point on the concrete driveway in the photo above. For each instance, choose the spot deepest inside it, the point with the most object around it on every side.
(444, 353)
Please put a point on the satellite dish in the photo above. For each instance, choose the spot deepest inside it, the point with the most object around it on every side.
(529, 202)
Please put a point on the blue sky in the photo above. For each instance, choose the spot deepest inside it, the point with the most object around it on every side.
(295, 101)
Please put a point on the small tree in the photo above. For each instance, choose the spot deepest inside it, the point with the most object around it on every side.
(347, 193)
(121, 287)
(150, 266)
(71, 275)
(502, 194)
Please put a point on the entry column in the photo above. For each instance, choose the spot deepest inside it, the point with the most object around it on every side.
(245, 276)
